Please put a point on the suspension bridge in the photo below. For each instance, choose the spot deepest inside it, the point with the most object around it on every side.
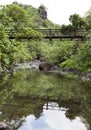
(58, 34)
(53, 34)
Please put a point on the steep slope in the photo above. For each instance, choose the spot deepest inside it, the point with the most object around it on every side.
(36, 20)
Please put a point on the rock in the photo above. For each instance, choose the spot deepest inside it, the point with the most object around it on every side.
(0, 113)
(3, 126)
(42, 12)
(35, 64)
(46, 67)
(5, 70)
(86, 76)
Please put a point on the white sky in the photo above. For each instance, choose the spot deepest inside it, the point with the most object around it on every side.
(58, 10)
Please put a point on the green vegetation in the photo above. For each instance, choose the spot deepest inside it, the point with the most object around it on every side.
(21, 20)
(27, 95)
(16, 19)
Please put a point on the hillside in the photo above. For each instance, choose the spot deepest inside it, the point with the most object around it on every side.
(23, 19)
(36, 20)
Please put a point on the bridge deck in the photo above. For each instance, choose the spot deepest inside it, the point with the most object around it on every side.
(53, 34)
(58, 34)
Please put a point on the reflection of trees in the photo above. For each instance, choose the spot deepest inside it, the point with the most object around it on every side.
(87, 111)
(80, 108)
(26, 92)
(22, 107)
(26, 105)
(74, 107)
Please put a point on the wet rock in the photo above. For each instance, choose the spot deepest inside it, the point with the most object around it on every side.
(4, 126)
(86, 76)
(4, 69)
(35, 64)
(73, 70)
(46, 67)
(0, 113)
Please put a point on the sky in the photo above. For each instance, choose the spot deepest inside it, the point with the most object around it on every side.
(58, 11)
(52, 120)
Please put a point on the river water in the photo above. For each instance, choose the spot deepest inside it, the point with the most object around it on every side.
(32, 100)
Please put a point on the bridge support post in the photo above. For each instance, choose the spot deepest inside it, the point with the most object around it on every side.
(50, 34)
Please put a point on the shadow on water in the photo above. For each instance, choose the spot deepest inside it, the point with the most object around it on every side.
(32, 100)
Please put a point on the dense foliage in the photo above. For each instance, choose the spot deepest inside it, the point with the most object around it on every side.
(16, 21)
(21, 20)
(81, 60)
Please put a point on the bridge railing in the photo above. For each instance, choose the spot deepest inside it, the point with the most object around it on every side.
(58, 32)
(52, 33)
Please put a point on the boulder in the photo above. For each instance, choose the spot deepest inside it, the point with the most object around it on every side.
(3, 126)
(46, 67)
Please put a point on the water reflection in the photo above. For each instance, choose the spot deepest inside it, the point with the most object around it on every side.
(52, 119)
(31, 100)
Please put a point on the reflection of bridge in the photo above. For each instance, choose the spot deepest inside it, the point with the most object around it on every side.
(53, 106)
(54, 34)
(51, 102)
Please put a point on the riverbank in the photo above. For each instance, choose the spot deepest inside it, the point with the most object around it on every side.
(46, 67)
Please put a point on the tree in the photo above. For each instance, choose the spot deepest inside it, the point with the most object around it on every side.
(67, 29)
(88, 19)
(14, 51)
(77, 21)
(17, 13)
(18, 16)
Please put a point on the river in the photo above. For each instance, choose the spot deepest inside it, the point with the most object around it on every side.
(33, 100)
